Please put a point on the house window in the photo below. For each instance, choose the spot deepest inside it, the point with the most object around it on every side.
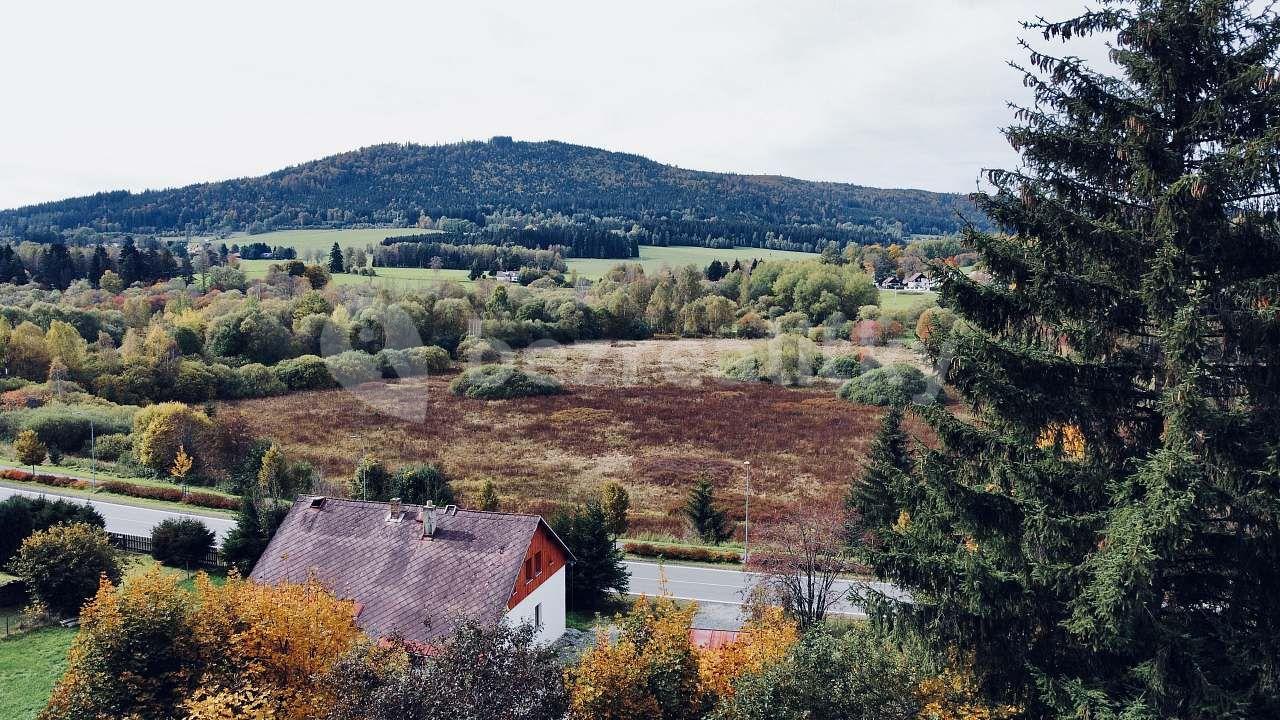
(537, 616)
(528, 571)
(537, 563)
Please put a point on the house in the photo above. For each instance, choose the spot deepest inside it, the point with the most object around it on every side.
(509, 276)
(891, 283)
(417, 572)
(919, 281)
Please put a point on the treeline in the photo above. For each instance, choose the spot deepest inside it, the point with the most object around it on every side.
(398, 184)
(443, 255)
(584, 238)
(56, 265)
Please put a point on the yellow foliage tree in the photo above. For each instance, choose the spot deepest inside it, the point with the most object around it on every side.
(1068, 438)
(161, 430)
(181, 464)
(764, 640)
(266, 649)
(953, 695)
(64, 343)
(650, 671)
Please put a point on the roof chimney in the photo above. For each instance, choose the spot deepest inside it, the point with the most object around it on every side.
(427, 517)
(395, 515)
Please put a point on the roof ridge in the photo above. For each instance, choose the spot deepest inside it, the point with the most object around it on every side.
(383, 503)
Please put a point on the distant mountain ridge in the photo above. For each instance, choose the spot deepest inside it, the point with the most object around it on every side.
(394, 184)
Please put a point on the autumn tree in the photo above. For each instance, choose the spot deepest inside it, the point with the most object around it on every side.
(799, 559)
(134, 656)
(160, 431)
(764, 640)
(650, 671)
(29, 449)
(1097, 529)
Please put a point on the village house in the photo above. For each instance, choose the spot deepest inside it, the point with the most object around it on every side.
(417, 572)
(918, 281)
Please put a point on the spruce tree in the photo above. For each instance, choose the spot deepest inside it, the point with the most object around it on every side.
(708, 521)
(335, 259)
(1100, 531)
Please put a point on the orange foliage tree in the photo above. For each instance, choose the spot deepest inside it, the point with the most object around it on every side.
(764, 640)
(152, 650)
(266, 648)
(650, 671)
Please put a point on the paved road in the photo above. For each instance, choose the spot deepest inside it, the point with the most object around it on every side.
(130, 519)
(714, 585)
(722, 587)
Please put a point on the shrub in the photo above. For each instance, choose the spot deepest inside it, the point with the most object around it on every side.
(476, 350)
(849, 365)
(181, 542)
(307, 372)
(257, 380)
(681, 552)
(869, 312)
(784, 360)
(62, 565)
(501, 382)
(196, 382)
(159, 431)
(29, 449)
(66, 427)
(112, 447)
(352, 368)
(793, 322)
(20, 516)
(170, 494)
(428, 359)
(894, 384)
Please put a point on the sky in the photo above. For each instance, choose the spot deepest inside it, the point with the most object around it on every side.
(139, 94)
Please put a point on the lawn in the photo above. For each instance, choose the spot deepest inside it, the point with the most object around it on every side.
(653, 257)
(30, 665)
(894, 300)
(303, 240)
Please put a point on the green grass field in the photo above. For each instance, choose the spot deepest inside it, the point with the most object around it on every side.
(651, 257)
(304, 240)
(30, 665)
(895, 300)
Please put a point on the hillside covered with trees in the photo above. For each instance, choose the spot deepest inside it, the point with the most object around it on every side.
(540, 184)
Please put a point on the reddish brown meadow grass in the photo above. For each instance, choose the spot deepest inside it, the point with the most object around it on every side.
(544, 453)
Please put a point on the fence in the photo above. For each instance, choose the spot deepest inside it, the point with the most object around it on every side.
(139, 544)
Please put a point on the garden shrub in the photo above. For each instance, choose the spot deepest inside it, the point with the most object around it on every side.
(428, 359)
(63, 565)
(181, 542)
(195, 383)
(501, 382)
(20, 516)
(477, 350)
(890, 385)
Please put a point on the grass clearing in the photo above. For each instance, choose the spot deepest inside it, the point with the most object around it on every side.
(896, 300)
(30, 665)
(304, 240)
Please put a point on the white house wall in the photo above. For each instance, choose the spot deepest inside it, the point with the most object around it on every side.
(551, 596)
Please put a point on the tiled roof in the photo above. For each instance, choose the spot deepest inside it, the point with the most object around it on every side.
(419, 589)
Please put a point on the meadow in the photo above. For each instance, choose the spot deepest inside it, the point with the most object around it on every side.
(652, 415)
(30, 664)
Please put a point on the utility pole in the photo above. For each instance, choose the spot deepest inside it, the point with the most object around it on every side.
(93, 455)
(746, 523)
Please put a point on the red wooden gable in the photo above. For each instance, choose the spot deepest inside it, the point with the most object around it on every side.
(543, 559)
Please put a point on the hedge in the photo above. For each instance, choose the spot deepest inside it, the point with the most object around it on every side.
(121, 487)
(679, 552)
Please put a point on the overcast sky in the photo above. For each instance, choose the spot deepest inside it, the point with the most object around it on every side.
(892, 93)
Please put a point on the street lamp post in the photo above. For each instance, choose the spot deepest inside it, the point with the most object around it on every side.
(746, 521)
(93, 456)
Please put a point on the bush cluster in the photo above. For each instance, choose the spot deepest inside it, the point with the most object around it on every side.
(894, 384)
(502, 382)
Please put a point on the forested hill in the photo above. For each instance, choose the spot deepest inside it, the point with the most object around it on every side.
(395, 184)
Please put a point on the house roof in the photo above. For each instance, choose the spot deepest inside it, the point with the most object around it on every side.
(419, 589)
